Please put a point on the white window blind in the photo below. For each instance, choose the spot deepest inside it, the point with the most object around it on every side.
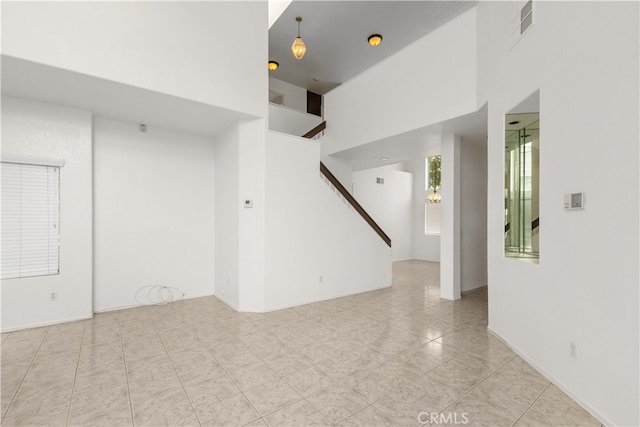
(30, 215)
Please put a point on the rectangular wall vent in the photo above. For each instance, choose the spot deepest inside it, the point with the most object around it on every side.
(526, 17)
(521, 23)
(379, 180)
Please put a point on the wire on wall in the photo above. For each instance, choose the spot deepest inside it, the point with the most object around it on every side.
(158, 295)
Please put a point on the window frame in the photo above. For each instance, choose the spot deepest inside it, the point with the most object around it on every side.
(35, 230)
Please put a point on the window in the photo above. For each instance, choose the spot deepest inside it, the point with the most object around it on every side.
(432, 199)
(30, 228)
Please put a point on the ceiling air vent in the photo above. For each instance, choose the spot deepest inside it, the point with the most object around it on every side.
(521, 23)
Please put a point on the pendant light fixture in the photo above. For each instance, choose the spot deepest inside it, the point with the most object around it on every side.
(298, 47)
(434, 197)
(434, 174)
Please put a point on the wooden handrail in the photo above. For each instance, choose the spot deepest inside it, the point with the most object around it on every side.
(316, 130)
(331, 177)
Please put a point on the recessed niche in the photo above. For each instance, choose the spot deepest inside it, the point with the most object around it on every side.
(522, 182)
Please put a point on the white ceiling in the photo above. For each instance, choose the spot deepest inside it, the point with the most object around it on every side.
(336, 33)
(30, 80)
(418, 143)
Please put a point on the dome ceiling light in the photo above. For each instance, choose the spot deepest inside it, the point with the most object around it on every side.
(375, 39)
(273, 65)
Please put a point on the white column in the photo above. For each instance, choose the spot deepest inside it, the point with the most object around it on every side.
(450, 219)
(251, 230)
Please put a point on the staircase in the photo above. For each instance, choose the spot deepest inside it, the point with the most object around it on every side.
(329, 178)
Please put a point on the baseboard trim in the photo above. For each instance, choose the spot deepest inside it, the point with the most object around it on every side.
(595, 413)
(40, 325)
(226, 301)
(473, 289)
(314, 300)
(125, 307)
(295, 304)
(121, 307)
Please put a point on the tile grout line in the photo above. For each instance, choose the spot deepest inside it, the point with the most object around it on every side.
(424, 373)
(230, 377)
(260, 347)
(532, 403)
(184, 390)
(126, 373)
(5, 336)
(279, 376)
(25, 374)
(75, 376)
(479, 382)
(364, 346)
(325, 388)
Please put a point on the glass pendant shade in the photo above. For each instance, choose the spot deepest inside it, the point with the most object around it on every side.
(434, 197)
(298, 48)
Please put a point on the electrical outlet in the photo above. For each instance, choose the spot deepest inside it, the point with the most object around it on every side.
(53, 296)
(572, 350)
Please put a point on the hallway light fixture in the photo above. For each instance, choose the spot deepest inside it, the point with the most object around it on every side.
(273, 65)
(434, 175)
(434, 197)
(375, 39)
(298, 47)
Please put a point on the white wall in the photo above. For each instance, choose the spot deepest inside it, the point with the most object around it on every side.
(429, 81)
(227, 207)
(36, 129)
(294, 97)
(310, 232)
(389, 204)
(450, 218)
(473, 214)
(585, 288)
(293, 122)
(153, 212)
(341, 168)
(252, 234)
(426, 247)
(186, 49)
(240, 232)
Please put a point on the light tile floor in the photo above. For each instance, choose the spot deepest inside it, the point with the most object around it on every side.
(382, 358)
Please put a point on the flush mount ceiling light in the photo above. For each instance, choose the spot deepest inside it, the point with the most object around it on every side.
(375, 39)
(273, 65)
(298, 47)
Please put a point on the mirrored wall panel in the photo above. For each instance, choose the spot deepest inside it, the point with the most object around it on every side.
(521, 181)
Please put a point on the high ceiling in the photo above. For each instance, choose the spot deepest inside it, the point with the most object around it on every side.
(418, 143)
(336, 33)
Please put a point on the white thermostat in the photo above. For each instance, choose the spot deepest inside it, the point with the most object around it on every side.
(574, 201)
